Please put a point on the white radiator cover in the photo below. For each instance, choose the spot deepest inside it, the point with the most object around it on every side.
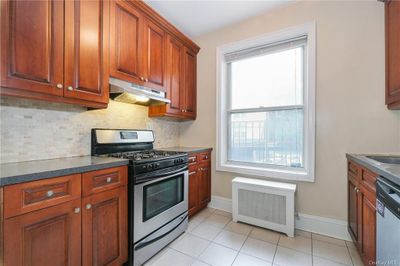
(264, 203)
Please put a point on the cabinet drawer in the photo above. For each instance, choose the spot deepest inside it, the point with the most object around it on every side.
(368, 184)
(101, 180)
(35, 195)
(353, 169)
(192, 159)
(204, 156)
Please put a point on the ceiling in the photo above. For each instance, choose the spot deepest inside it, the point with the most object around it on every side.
(195, 18)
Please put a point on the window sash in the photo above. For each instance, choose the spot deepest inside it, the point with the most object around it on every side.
(266, 49)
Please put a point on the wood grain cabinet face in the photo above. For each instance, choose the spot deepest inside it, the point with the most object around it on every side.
(32, 46)
(86, 50)
(193, 204)
(35, 195)
(154, 56)
(175, 80)
(199, 181)
(190, 83)
(362, 211)
(51, 236)
(392, 14)
(126, 42)
(104, 228)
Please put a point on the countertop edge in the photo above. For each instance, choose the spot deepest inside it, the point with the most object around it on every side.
(359, 158)
(17, 179)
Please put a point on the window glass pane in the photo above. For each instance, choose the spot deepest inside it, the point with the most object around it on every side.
(274, 79)
(273, 137)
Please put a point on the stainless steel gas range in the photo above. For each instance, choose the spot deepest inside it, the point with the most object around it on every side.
(158, 189)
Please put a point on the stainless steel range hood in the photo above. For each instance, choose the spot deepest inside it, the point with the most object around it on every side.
(123, 91)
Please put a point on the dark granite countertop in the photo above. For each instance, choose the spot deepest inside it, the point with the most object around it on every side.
(389, 171)
(13, 173)
(186, 149)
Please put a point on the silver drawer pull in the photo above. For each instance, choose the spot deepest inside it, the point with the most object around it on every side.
(88, 206)
(191, 173)
(108, 180)
(77, 210)
(49, 193)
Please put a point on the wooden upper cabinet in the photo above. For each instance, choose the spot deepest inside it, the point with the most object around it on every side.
(190, 83)
(392, 10)
(56, 51)
(51, 236)
(154, 56)
(175, 81)
(86, 50)
(32, 46)
(126, 38)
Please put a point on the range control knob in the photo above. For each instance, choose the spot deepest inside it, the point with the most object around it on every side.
(156, 165)
(149, 166)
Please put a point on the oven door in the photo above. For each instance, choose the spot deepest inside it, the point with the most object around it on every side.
(158, 202)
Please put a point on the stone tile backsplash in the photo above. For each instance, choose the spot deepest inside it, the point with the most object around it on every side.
(35, 130)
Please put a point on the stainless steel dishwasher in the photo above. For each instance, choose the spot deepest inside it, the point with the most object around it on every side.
(388, 222)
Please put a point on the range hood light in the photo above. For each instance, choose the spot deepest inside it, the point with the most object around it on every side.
(124, 91)
(142, 99)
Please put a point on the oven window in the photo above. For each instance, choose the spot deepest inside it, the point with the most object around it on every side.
(161, 196)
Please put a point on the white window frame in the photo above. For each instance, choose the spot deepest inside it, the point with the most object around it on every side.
(307, 172)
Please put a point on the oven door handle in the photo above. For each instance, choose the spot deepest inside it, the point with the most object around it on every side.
(164, 175)
(160, 233)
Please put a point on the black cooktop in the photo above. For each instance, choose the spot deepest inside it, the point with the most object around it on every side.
(147, 155)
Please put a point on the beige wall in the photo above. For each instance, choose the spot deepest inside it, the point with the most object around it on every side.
(350, 110)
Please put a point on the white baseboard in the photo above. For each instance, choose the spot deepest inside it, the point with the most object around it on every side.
(316, 224)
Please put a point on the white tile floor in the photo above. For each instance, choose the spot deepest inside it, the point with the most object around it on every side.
(214, 239)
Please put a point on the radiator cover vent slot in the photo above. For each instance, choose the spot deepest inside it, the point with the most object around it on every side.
(264, 203)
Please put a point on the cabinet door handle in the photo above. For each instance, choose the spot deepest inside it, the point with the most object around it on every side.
(191, 173)
(59, 86)
(142, 78)
(70, 88)
(108, 180)
(88, 206)
(355, 189)
(49, 193)
(146, 79)
(77, 210)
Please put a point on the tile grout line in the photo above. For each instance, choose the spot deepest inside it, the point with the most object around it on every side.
(247, 237)
(276, 250)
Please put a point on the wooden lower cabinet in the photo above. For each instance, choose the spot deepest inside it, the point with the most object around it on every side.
(89, 230)
(104, 227)
(51, 236)
(362, 211)
(199, 181)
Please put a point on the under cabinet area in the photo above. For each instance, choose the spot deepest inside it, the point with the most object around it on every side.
(362, 210)
(79, 219)
(199, 181)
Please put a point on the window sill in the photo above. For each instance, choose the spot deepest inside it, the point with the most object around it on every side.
(288, 174)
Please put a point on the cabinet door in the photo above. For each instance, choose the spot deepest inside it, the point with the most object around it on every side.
(126, 37)
(190, 84)
(154, 56)
(175, 81)
(368, 231)
(50, 236)
(393, 54)
(104, 228)
(353, 210)
(86, 50)
(205, 184)
(194, 191)
(32, 46)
